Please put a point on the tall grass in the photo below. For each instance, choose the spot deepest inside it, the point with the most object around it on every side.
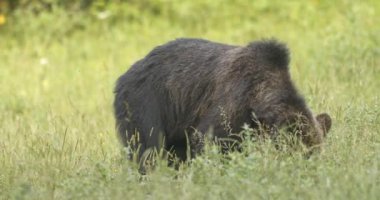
(57, 73)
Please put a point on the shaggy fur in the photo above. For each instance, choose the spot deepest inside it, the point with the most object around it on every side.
(188, 87)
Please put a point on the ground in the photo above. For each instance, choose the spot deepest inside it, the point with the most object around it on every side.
(58, 70)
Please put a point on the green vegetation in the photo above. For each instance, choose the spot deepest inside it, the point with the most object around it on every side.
(58, 68)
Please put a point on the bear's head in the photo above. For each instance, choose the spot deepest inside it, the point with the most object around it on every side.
(264, 87)
(312, 130)
(290, 115)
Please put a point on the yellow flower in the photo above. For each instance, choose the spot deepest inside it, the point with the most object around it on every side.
(2, 19)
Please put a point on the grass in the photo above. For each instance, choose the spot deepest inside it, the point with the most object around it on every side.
(58, 69)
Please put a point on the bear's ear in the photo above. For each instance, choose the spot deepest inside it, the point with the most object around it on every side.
(325, 121)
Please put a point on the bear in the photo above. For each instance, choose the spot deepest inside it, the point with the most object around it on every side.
(189, 87)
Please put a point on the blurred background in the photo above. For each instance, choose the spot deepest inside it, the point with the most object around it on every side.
(76, 49)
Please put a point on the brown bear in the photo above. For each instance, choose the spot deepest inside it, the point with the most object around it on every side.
(187, 87)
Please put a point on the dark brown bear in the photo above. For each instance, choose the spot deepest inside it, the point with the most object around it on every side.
(192, 86)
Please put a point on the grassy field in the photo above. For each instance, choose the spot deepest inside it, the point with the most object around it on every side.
(58, 70)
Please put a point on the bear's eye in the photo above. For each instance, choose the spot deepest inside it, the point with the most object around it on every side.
(294, 128)
(297, 125)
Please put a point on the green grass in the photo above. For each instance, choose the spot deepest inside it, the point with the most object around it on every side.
(58, 69)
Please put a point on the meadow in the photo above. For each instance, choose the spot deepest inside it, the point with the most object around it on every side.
(58, 69)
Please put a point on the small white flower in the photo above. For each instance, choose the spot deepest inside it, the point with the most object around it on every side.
(44, 61)
(103, 15)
